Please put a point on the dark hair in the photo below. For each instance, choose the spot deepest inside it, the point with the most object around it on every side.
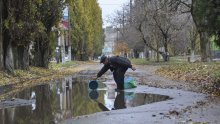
(103, 59)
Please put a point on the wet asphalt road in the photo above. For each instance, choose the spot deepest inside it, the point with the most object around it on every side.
(185, 107)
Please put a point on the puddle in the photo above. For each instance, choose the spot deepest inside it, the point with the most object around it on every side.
(67, 98)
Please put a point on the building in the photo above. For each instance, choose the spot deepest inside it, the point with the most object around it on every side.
(63, 49)
(111, 36)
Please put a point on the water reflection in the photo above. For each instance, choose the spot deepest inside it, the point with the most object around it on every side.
(120, 100)
(94, 96)
(68, 98)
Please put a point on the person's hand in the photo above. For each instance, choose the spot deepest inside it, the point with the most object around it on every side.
(133, 68)
(94, 78)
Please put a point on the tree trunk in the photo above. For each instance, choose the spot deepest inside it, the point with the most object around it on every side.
(200, 21)
(136, 54)
(158, 55)
(41, 54)
(37, 55)
(1, 40)
(15, 56)
(46, 55)
(166, 46)
(193, 47)
(146, 53)
(166, 54)
(9, 61)
(23, 57)
(205, 47)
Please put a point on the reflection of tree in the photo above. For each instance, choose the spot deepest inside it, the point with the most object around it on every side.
(44, 109)
(18, 114)
(65, 99)
(25, 114)
(44, 99)
(81, 103)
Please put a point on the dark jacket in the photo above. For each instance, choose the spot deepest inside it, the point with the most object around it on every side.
(114, 63)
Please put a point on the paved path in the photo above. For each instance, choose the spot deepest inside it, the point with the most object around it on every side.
(185, 107)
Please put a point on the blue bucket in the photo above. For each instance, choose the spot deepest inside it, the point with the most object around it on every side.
(93, 84)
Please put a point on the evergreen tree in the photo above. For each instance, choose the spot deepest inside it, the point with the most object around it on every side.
(86, 28)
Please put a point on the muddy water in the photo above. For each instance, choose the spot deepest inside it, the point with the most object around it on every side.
(67, 98)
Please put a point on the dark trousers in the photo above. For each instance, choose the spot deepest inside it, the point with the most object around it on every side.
(119, 75)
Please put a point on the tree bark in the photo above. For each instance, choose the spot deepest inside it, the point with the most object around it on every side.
(205, 47)
(23, 57)
(6, 41)
(165, 55)
(41, 54)
(193, 36)
(158, 55)
(46, 55)
(136, 54)
(9, 63)
(146, 53)
(1, 39)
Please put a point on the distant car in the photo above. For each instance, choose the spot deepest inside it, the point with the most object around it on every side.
(99, 57)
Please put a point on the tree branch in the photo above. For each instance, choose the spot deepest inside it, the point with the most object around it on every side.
(145, 41)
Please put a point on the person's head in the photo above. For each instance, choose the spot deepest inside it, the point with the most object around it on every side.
(104, 59)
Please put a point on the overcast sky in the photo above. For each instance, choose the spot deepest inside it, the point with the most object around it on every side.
(109, 7)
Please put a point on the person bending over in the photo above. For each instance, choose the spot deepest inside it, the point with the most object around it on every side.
(118, 65)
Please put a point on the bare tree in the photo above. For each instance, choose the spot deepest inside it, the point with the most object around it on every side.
(141, 23)
(205, 16)
(152, 23)
(157, 15)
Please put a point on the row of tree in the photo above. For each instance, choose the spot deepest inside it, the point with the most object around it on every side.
(25, 23)
(175, 25)
(86, 28)
(27, 36)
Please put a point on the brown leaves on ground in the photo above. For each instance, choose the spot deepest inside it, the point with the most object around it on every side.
(208, 74)
(42, 74)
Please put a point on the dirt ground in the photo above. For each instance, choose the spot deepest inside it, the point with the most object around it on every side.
(189, 105)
